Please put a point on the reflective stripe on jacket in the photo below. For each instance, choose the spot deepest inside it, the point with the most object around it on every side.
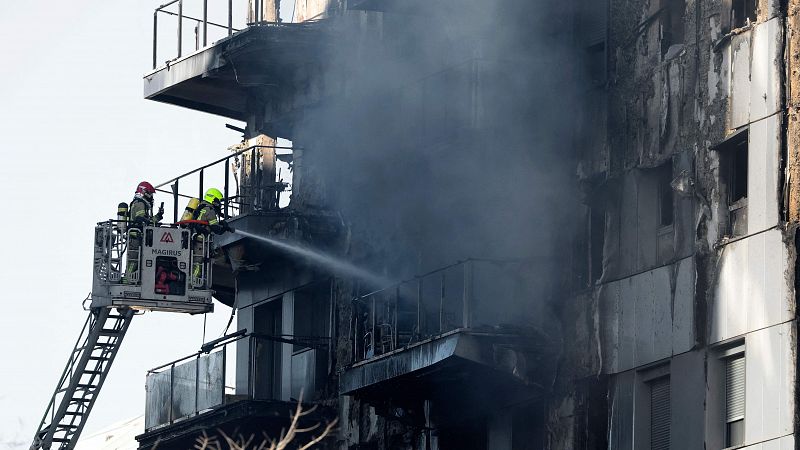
(141, 212)
(207, 213)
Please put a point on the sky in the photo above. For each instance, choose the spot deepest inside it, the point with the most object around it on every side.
(76, 138)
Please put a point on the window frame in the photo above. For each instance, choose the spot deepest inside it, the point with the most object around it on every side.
(730, 165)
(732, 353)
(672, 24)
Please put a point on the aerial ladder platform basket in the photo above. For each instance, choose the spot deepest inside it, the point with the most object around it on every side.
(144, 268)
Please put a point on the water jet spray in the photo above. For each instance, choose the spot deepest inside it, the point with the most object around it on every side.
(335, 264)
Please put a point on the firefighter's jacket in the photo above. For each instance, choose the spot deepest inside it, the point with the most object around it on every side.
(207, 213)
(141, 213)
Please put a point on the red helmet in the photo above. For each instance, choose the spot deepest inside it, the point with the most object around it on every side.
(145, 188)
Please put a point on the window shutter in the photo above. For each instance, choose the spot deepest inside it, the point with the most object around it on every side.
(659, 414)
(734, 389)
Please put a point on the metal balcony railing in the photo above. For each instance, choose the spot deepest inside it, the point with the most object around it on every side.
(469, 294)
(209, 21)
(188, 386)
(202, 381)
(248, 191)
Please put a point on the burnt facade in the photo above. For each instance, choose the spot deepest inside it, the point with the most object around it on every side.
(570, 225)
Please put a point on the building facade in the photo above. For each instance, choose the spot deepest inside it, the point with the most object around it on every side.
(522, 225)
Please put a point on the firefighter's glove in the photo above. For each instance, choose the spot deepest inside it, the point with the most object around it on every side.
(217, 228)
(227, 227)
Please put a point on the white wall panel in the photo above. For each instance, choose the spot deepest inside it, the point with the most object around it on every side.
(626, 343)
(622, 412)
(783, 443)
(763, 174)
(755, 73)
(765, 69)
(683, 308)
(740, 80)
(643, 293)
(769, 383)
(752, 290)
(644, 319)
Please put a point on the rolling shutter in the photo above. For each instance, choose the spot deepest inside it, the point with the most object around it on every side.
(734, 389)
(659, 414)
(734, 401)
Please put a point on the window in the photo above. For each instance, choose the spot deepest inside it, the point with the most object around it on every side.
(660, 414)
(742, 12)
(734, 400)
(672, 26)
(733, 172)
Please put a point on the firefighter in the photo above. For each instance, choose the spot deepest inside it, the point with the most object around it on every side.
(140, 214)
(208, 211)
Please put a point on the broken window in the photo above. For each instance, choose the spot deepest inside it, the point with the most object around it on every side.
(733, 172)
(742, 12)
(672, 24)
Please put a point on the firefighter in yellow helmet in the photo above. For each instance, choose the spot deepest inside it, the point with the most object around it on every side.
(207, 214)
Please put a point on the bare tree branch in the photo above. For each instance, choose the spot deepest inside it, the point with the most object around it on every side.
(286, 437)
(323, 435)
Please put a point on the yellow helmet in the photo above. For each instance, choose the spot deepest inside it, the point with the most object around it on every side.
(213, 195)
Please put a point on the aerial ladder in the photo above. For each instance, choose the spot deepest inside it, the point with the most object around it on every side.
(135, 269)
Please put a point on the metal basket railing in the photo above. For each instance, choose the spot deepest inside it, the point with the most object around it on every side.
(208, 21)
(239, 195)
(458, 296)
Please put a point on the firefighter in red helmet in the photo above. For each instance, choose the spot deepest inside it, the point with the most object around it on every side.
(140, 214)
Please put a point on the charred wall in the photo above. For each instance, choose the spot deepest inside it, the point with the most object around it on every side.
(694, 111)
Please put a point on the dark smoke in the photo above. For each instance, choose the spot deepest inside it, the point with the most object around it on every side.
(452, 137)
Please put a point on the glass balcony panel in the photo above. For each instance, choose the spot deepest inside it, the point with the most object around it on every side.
(184, 389)
(157, 403)
(211, 380)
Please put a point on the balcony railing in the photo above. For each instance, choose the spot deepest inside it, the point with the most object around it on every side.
(203, 381)
(208, 21)
(472, 294)
(247, 191)
(188, 386)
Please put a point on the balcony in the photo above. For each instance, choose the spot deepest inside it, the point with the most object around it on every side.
(471, 327)
(194, 394)
(255, 183)
(229, 58)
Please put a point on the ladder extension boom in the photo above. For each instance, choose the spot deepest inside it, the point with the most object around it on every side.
(83, 376)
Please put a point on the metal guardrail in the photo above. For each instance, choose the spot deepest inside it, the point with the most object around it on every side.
(196, 383)
(429, 305)
(176, 8)
(234, 200)
(187, 386)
